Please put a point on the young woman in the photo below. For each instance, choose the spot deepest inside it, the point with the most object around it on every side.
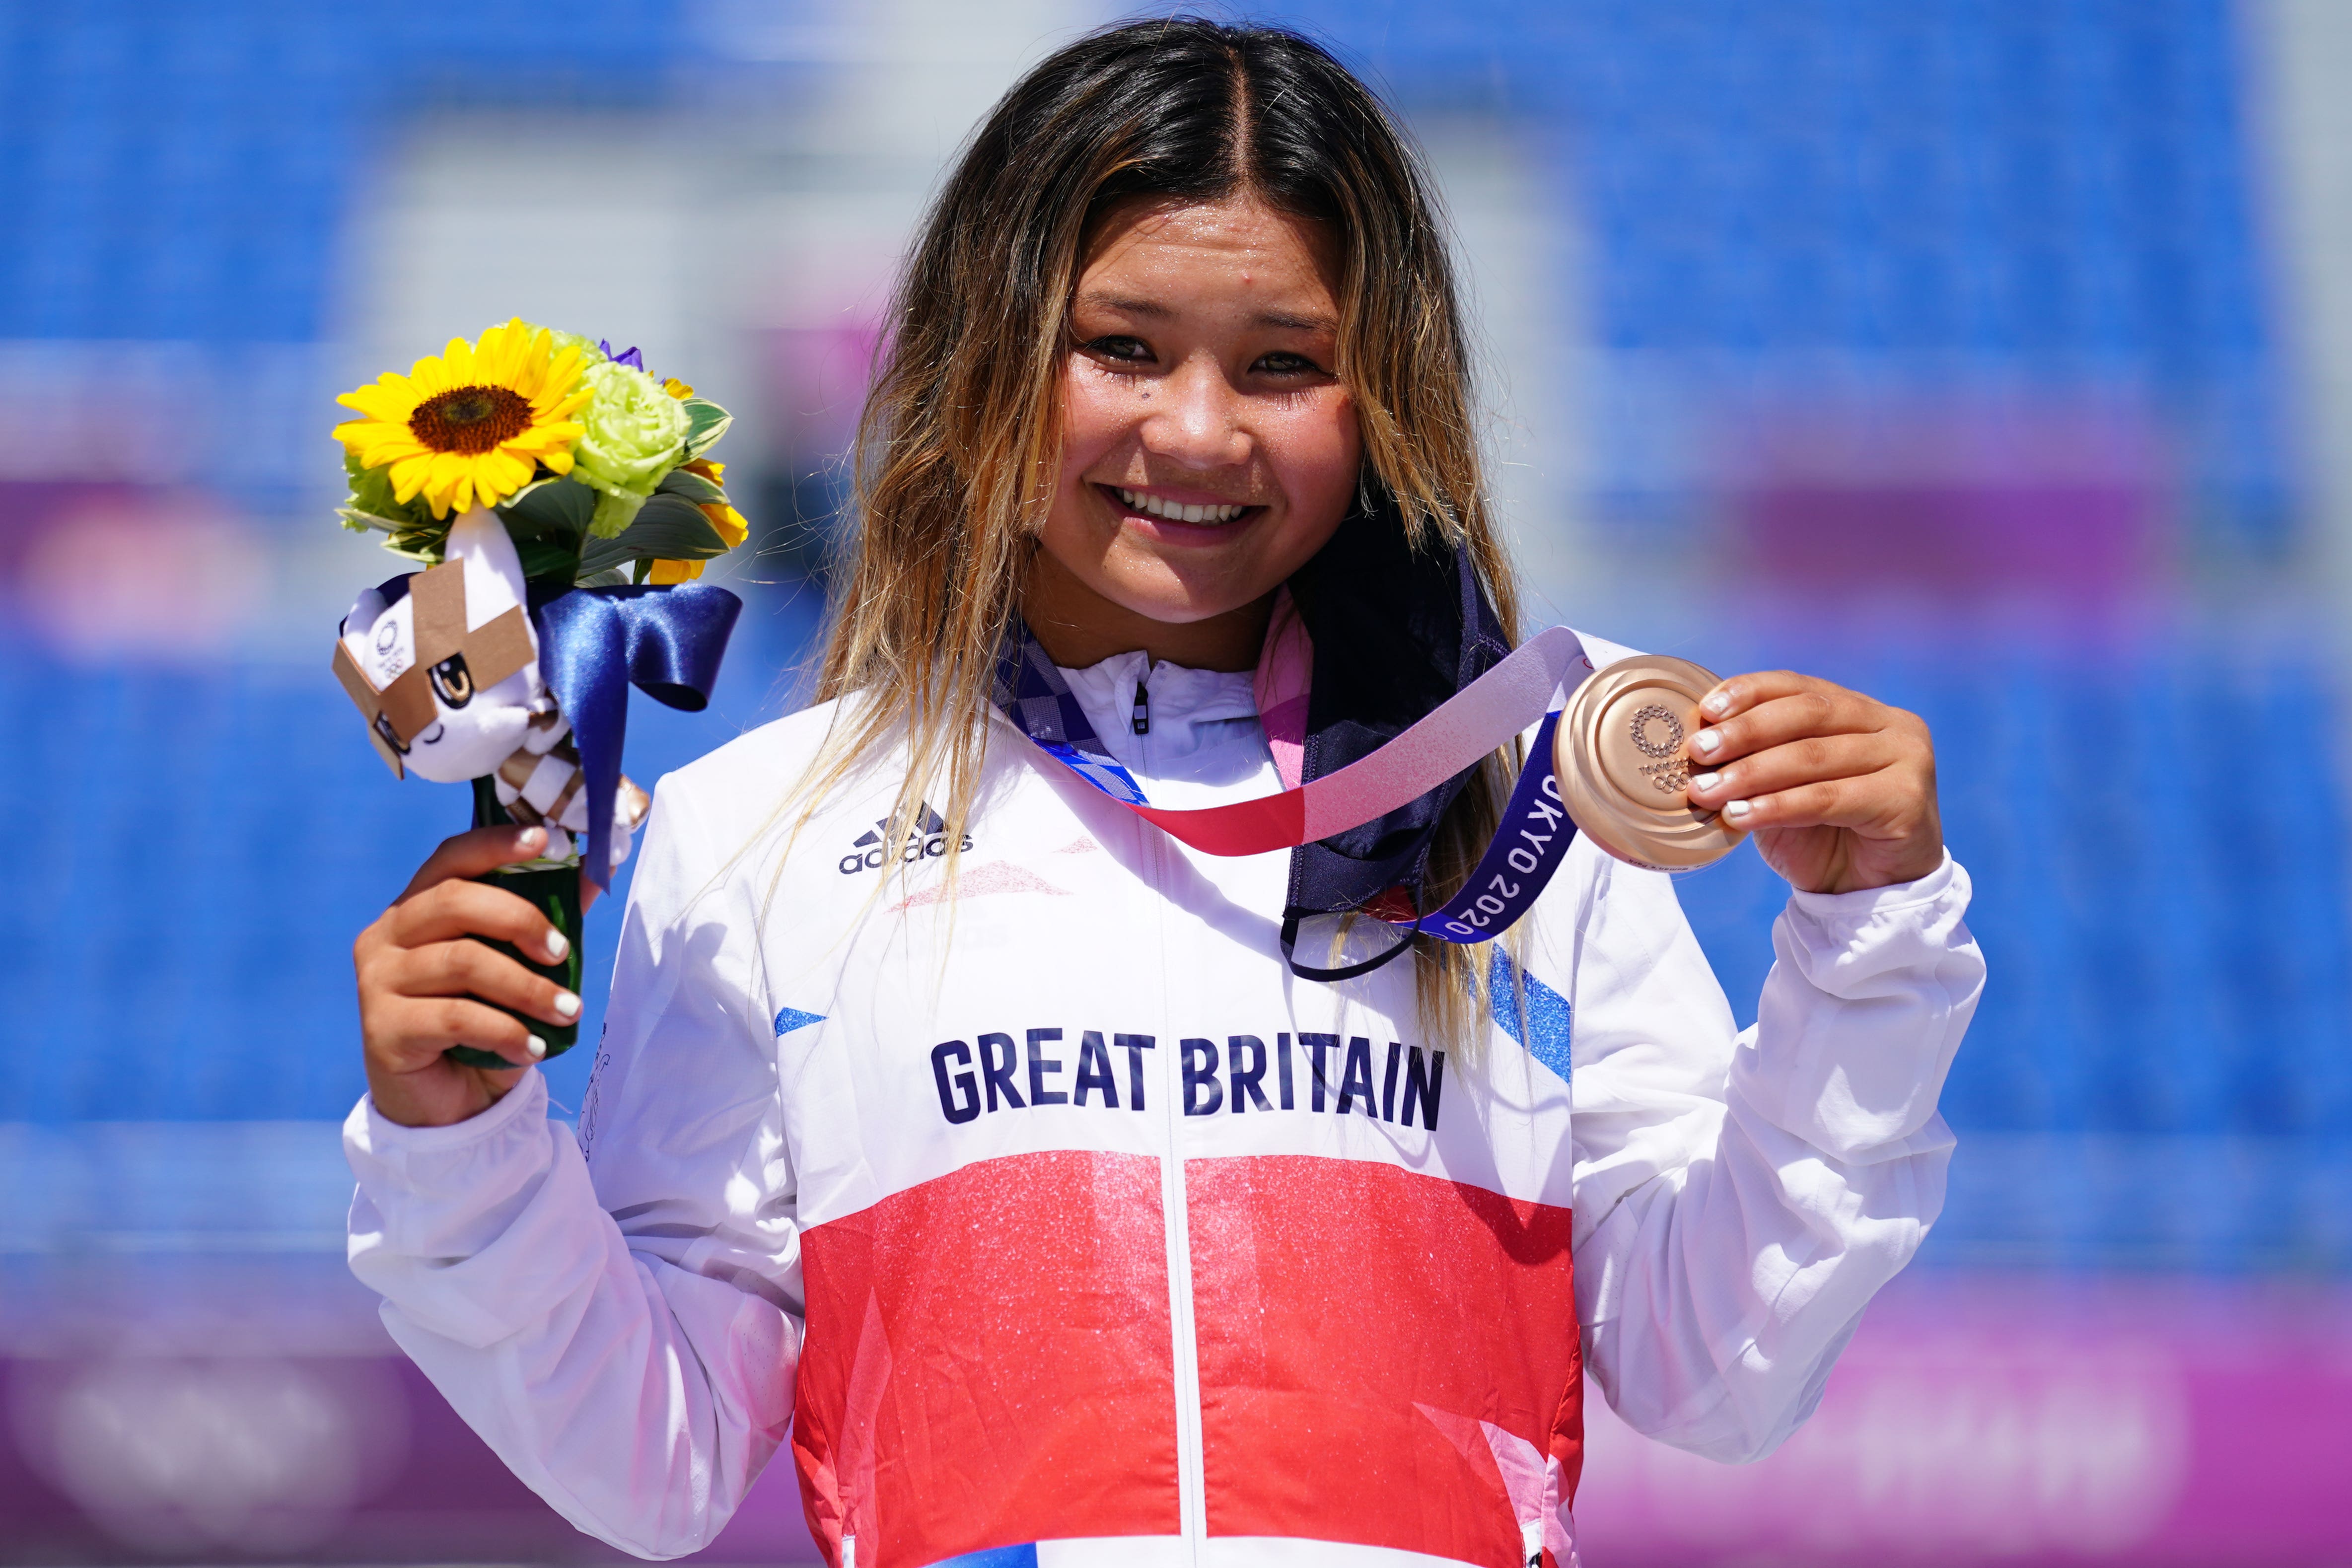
(1009, 1157)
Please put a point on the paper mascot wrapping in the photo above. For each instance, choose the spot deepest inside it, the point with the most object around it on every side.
(561, 504)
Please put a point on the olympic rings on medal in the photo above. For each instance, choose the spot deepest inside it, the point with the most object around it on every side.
(1654, 714)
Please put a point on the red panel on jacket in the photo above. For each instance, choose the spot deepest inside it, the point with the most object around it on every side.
(989, 1361)
(1334, 1299)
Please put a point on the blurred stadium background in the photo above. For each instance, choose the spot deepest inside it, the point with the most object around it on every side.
(1994, 356)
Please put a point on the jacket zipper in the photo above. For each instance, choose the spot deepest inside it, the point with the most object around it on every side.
(1192, 1509)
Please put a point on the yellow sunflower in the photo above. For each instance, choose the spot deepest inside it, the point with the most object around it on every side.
(471, 426)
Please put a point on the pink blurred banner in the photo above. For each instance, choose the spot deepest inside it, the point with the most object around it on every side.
(2022, 1422)
(1972, 1420)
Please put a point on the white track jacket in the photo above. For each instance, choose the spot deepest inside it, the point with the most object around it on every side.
(1053, 1221)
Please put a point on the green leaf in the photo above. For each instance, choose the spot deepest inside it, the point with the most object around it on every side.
(555, 508)
(666, 529)
(542, 478)
(705, 423)
(372, 493)
(360, 521)
(670, 528)
(682, 481)
(612, 577)
(425, 542)
(559, 559)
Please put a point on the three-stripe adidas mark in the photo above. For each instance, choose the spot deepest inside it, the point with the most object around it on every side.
(922, 839)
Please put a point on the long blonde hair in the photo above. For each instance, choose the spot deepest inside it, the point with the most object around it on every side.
(958, 448)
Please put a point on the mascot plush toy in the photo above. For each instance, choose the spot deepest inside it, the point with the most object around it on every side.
(443, 665)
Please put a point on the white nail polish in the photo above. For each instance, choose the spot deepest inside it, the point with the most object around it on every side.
(1716, 704)
(537, 1047)
(567, 1005)
(1706, 781)
(557, 946)
(1738, 809)
(1706, 741)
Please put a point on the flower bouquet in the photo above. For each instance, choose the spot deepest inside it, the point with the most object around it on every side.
(561, 504)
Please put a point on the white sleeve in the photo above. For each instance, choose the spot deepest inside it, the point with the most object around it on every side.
(622, 1328)
(1739, 1198)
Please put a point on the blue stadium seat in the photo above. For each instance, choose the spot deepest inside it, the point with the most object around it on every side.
(2165, 1047)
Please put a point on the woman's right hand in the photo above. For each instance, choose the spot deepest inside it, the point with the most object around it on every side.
(420, 971)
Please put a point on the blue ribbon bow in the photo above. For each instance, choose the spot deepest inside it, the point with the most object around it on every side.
(597, 643)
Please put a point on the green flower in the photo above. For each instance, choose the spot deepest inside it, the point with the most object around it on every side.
(634, 433)
(589, 353)
(614, 512)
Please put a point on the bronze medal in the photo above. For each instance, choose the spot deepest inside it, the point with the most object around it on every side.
(1623, 768)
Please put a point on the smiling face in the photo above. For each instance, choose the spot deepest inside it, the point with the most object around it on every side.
(1208, 447)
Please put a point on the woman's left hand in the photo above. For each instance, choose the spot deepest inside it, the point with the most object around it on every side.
(1839, 790)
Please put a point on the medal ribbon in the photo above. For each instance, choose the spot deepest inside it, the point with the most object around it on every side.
(1529, 685)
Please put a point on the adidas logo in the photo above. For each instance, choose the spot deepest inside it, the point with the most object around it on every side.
(925, 838)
